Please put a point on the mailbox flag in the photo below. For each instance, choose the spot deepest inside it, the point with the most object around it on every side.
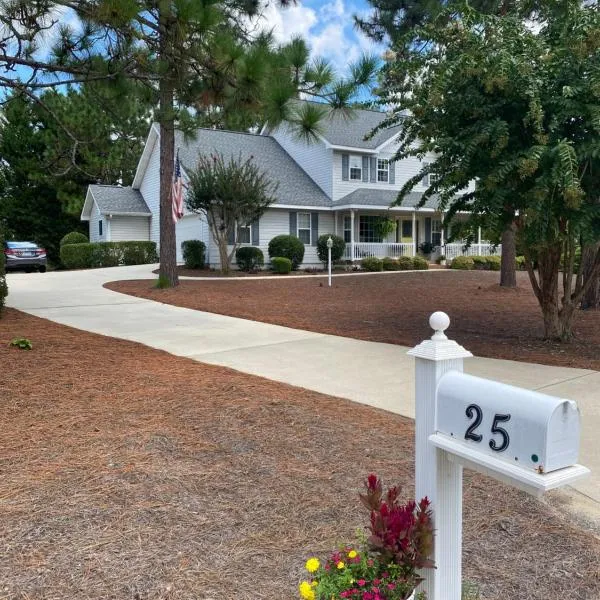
(177, 192)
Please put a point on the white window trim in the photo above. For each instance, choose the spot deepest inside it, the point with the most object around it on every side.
(359, 168)
(309, 228)
(347, 229)
(237, 228)
(385, 169)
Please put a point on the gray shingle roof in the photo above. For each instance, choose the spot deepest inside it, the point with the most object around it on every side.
(295, 186)
(350, 131)
(115, 199)
(374, 197)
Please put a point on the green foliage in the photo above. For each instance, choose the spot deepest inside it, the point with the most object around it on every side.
(463, 263)
(337, 250)
(289, 246)
(74, 237)
(162, 283)
(3, 285)
(420, 264)
(493, 263)
(249, 258)
(480, 263)
(22, 343)
(521, 263)
(371, 263)
(107, 254)
(281, 265)
(194, 254)
(390, 264)
(406, 263)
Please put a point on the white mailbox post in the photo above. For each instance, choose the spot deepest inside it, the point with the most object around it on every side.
(523, 438)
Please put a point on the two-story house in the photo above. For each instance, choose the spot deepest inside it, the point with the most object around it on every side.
(339, 184)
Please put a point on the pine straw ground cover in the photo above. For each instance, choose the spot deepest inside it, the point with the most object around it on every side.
(394, 308)
(128, 473)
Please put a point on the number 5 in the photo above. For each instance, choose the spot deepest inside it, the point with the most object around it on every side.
(501, 431)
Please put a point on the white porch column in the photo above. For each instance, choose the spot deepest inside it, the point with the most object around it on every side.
(352, 235)
(435, 476)
(414, 232)
(335, 222)
(442, 240)
(479, 241)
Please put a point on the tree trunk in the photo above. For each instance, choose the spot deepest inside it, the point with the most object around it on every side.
(224, 255)
(508, 262)
(591, 298)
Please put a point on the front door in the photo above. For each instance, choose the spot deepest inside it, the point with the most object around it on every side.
(406, 231)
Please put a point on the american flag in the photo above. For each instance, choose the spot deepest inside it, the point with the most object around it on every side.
(177, 192)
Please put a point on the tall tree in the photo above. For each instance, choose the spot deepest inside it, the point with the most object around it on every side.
(185, 55)
(512, 114)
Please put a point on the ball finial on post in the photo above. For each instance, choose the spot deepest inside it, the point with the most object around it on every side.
(439, 321)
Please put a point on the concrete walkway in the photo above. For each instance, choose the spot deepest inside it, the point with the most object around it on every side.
(380, 375)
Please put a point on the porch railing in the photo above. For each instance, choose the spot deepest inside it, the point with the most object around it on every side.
(451, 251)
(367, 249)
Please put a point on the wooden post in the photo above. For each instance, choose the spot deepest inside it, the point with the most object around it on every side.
(435, 476)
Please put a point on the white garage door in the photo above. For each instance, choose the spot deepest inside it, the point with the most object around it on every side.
(191, 227)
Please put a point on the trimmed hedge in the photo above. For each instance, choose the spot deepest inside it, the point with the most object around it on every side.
(3, 285)
(74, 237)
(249, 258)
(390, 264)
(337, 250)
(420, 264)
(281, 265)
(463, 263)
(479, 263)
(194, 253)
(493, 263)
(287, 246)
(107, 254)
(406, 263)
(371, 263)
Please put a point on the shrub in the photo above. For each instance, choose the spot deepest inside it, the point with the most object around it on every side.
(287, 246)
(337, 250)
(74, 237)
(281, 265)
(107, 254)
(249, 258)
(521, 263)
(480, 263)
(390, 264)
(420, 264)
(406, 263)
(3, 286)
(194, 252)
(464, 263)
(493, 263)
(371, 263)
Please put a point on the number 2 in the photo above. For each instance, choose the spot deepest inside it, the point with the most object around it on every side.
(501, 431)
(474, 411)
(471, 435)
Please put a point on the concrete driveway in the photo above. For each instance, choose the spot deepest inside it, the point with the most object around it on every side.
(380, 375)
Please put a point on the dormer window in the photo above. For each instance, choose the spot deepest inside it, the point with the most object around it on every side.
(355, 168)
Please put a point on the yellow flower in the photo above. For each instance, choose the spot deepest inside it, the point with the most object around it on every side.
(306, 591)
(312, 564)
(340, 565)
(352, 554)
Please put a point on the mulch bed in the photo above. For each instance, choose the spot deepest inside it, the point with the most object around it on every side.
(394, 308)
(129, 473)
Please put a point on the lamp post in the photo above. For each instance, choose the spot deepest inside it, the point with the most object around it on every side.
(329, 247)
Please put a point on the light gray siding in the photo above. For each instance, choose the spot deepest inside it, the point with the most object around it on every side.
(150, 189)
(95, 218)
(191, 227)
(124, 229)
(314, 158)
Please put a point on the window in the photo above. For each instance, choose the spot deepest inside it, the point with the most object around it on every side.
(347, 230)
(436, 232)
(304, 228)
(244, 234)
(368, 230)
(100, 227)
(383, 170)
(430, 178)
(406, 229)
(356, 168)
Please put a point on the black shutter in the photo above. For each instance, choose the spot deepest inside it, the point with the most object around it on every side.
(345, 167)
(255, 233)
(365, 168)
(392, 167)
(428, 229)
(314, 226)
(373, 169)
(231, 235)
(293, 224)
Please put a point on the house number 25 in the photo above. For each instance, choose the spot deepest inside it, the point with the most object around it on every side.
(474, 412)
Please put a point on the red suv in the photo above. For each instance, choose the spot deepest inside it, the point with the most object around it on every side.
(24, 255)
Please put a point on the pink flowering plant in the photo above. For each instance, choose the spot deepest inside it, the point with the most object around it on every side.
(383, 565)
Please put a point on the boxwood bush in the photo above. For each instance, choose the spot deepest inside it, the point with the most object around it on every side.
(480, 263)
(281, 265)
(249, 258)
(287, 246)
(194, 253)
(420, 264)
(493, 263)
(390, 264)
(107, 254)
(3, 286)
(464, 263)
(74, 237)
(371, 263)
(406, 263)
(337, 250)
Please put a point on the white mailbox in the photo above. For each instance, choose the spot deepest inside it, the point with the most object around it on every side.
(527, 429)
